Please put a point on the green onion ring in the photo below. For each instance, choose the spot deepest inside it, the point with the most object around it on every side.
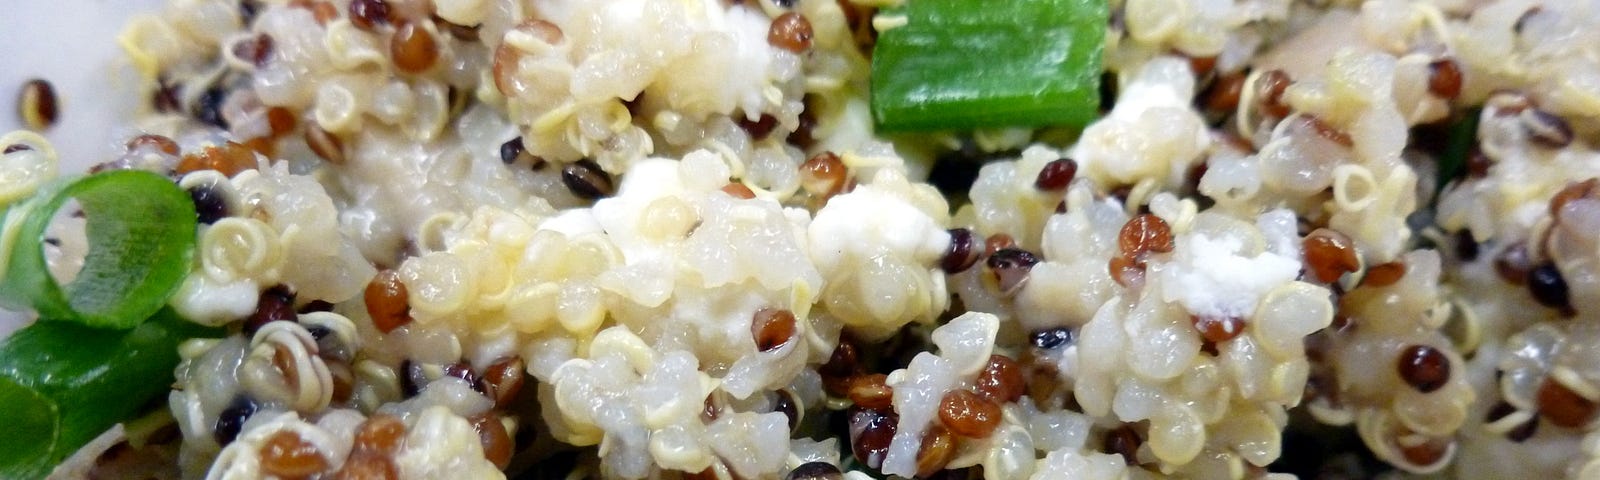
(141, 232)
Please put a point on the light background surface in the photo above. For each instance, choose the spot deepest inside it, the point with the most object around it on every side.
(72, 44)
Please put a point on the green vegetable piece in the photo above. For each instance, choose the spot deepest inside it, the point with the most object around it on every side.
(1462, 139)
(965, 64)
(62, 384)
(141, 230)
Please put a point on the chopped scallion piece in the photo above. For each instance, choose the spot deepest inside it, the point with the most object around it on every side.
(965, 64)
(62, 384)
(141, 232)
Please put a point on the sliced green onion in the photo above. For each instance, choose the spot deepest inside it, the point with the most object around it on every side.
(964, 64)
(141, 230)
(62, 384)
(1463, 137)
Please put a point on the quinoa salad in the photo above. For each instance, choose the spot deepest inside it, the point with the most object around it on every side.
(817, 239)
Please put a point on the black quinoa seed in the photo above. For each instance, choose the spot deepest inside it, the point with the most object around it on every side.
(1525, 431)
(412, 378)
(815, 471)
(789, 407)
(1051, 338)
(232, 419)
(209, 205)
(511, 150)
(1548, 287)
(1011, 267)
(208, 108)
(1466, 247)
(587, 180)
(463, 371)
(10, 149)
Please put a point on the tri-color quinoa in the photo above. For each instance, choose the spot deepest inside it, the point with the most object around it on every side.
(660, 239)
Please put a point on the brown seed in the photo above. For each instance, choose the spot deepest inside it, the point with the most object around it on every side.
(997, 242)
(738, 190)
(760, 128)
(366, 466)
(1056, 175)
(369, 14)
(380, 435)
(1330, 254)
(1144, 234)
(1562, 406)
(507, 57)
(37, 104)
(1328, 132)
(937, 448)
(1384, 274)
(413, 48)
(257, 50)
(842, 365)
(823, 175)
(285, 455)
(343, 381)
(870, 391)
(1201, 66)
(803, 134)
(1222, 97)
(790, 31)
(1126, 272)
(1424, 368)
(387, 301)
(587, 180)
(229, 158)
(969, 415)
(1444, 78)
(962, 253)
(1513, 263)
(709, 411)
(275, 304)
(463, 371)
(10, 149)
(497, 443)
(1545, 128)
(1478, 165)
(772, 328)
(1573, 191)
(1270, 87)
(1123, 441)
(1218, 329)
(1001, 380)
(871, 432)
(325, 144)
(460, 32)
(1425, 453)
(502, 380)
(156, 142)
(281, 120)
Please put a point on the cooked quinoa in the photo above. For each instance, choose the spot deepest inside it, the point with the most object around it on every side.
(662, 239)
